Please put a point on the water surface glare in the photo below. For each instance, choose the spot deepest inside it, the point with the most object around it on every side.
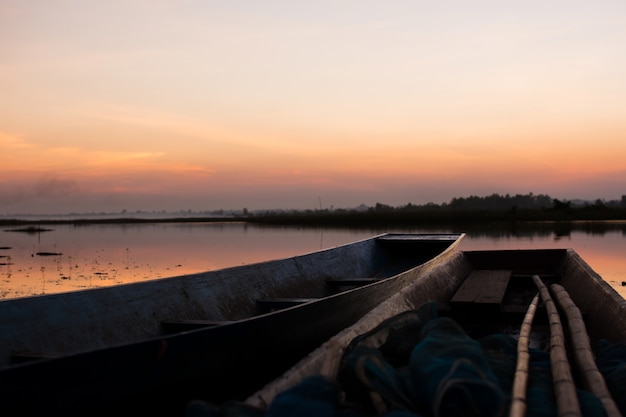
(69, 258)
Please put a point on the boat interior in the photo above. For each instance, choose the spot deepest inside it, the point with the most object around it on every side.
(537, 332)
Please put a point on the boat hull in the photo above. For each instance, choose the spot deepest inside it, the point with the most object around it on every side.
(113, 353)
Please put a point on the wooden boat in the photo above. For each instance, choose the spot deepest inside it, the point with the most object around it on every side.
(220, 334)
(487, 293)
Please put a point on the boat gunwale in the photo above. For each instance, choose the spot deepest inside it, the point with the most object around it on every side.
(454, 239)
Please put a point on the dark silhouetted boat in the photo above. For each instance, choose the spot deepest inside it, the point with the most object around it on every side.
(219, 335)
(558, 315)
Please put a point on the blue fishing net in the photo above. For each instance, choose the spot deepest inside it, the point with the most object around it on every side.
(424, 364)
(418, 364)
(396, 336)
(316, 396)
(378, 360)
(501, 355)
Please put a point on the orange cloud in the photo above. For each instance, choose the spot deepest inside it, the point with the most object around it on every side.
(33, 170)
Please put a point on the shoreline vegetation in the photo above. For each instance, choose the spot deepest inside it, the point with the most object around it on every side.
(469, 210)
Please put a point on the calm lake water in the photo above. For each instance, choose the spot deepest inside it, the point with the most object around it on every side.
(90, 256)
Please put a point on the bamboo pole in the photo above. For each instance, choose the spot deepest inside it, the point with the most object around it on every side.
(564, 387)
(583, 354)
(520, 383)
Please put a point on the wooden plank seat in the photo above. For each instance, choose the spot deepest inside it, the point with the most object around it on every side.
(485, 287)
(271, 304)
(345, 282)
(175, 326)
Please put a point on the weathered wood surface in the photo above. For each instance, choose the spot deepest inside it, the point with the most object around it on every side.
(484, 287)
(438, 282)
(584, 358)
(338, 282)
(271, 304)
(520, 382)
(562, 379)
(121, 333)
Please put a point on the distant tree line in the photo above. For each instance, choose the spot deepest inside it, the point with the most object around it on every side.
(498, 202)
(491, 208)
(509, 202)
(491, 202)
(460, 211)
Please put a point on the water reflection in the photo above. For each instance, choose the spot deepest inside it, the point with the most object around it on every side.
(89, 256)
(545, 229)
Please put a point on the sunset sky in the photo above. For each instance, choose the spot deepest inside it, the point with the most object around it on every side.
(206, 104)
